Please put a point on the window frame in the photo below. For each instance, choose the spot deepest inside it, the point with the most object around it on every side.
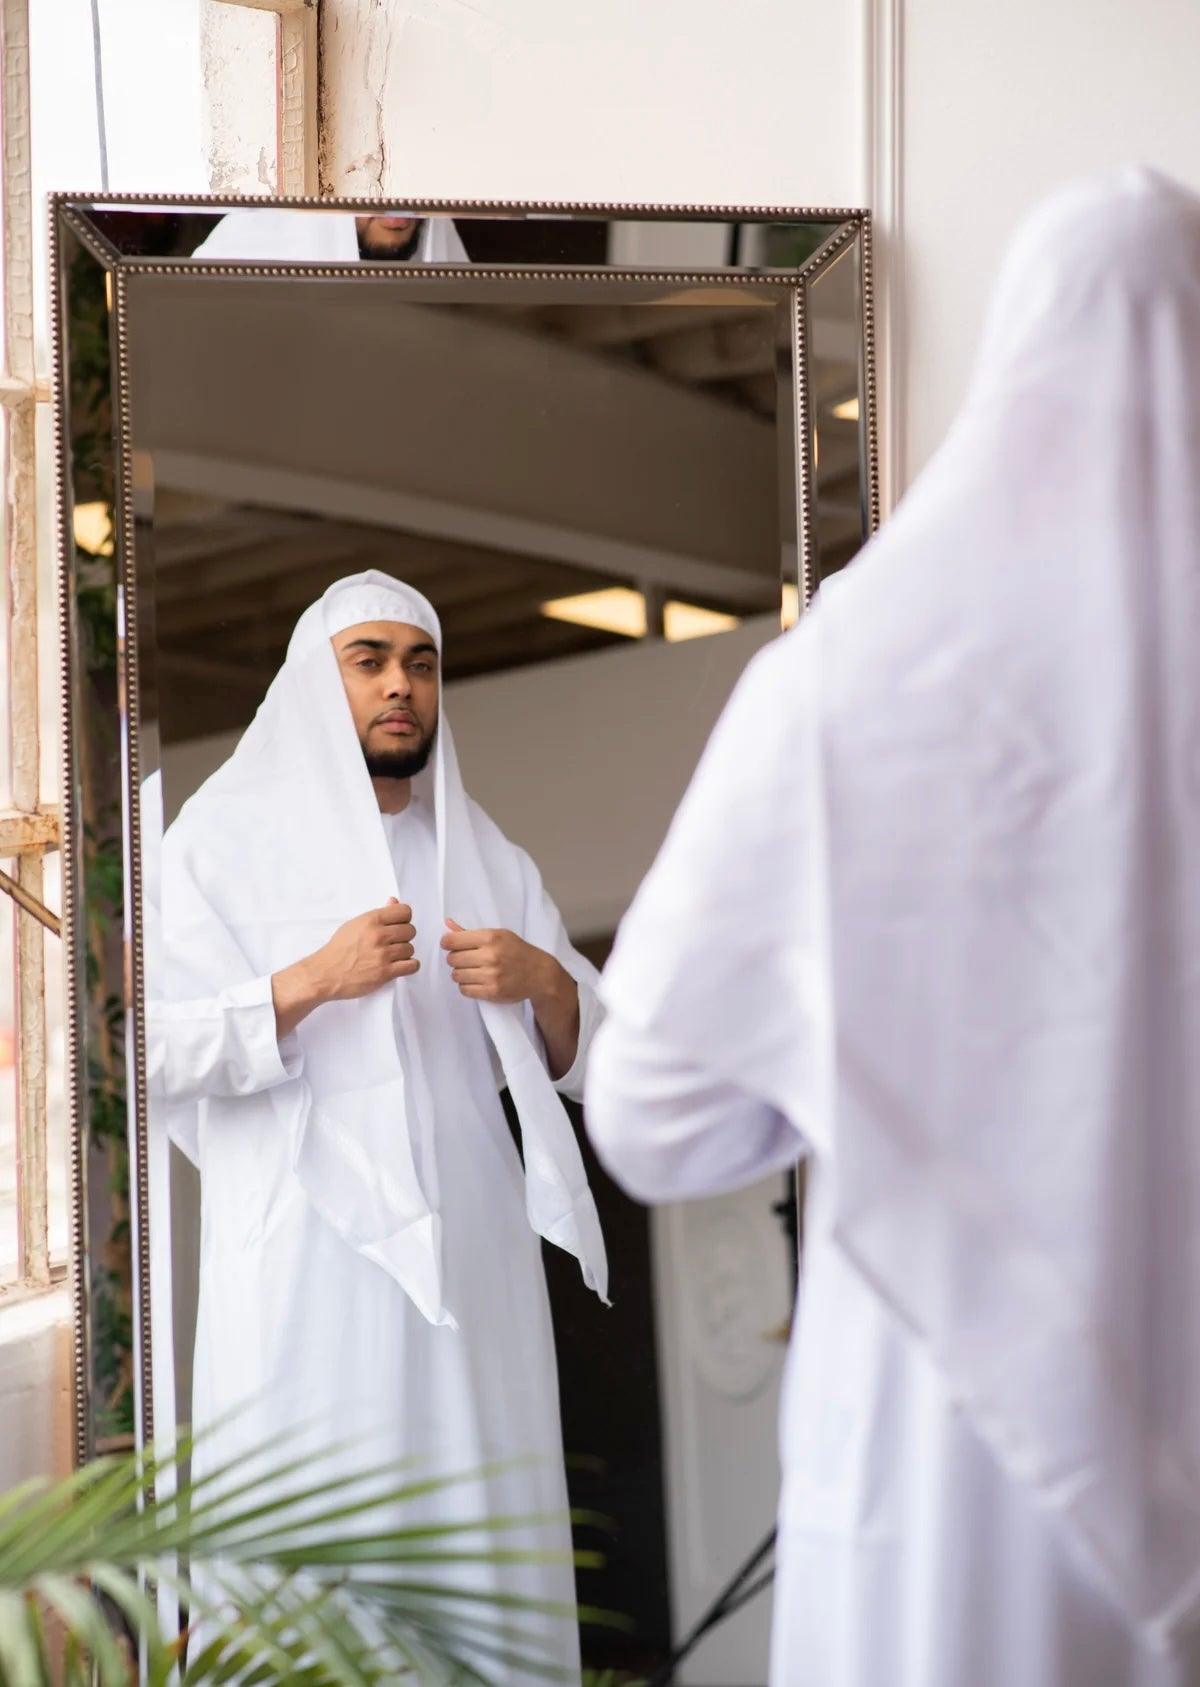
(29, 827)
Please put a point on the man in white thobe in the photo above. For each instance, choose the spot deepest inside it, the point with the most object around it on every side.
(353, 961)
(930, 913)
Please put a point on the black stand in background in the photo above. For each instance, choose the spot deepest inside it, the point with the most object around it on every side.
(740, 1591)
(751, 1578)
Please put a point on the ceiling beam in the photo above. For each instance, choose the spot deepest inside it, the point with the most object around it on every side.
(493, 531)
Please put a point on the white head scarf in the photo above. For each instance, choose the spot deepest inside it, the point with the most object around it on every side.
(1010, 746)
(1007, 767)
(300, 236)
(286, 840)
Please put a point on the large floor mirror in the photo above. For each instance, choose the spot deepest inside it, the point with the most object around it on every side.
(611, 452)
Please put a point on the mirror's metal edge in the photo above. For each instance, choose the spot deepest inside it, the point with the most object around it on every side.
(858, 226)
(829, 250)
(75, 982)
(650, 211)
(64, 217)
(135, 972)
(782, 281)
(67, 845)
(870, 422)
(806, 470)
(97, 243)
(806, 494)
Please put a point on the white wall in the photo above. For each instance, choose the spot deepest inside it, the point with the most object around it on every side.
(1000, 105)
(583, 762)
(690, 101)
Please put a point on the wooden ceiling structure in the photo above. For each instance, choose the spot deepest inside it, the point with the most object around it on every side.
(233, 575)
(231, 582)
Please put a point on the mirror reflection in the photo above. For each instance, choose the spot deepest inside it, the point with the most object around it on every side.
(401, 234)
(440, 590)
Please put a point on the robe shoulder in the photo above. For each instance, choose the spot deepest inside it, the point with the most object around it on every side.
(219, 823)
(218, 834)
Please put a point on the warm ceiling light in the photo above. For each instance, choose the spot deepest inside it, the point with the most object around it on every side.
(93, 529)
(790, 610)
(687, 620)
(847, 410)
(616, 609)
(622, 610)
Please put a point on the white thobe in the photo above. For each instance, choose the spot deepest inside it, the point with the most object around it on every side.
(907, 1557)
(295, 1322)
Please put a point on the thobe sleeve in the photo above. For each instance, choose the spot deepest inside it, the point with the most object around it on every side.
(542, 925)
(591, 1014)
(222, 1045)
(198, 1044)
(710, 1071)
(668, 1131)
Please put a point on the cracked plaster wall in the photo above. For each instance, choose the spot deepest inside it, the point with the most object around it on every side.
(238, 54)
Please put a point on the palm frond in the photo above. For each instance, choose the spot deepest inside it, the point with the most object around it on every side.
(296, 1576)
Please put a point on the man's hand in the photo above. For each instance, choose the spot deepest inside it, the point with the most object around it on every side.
(499, 966)
(366, 953)
(362, 956)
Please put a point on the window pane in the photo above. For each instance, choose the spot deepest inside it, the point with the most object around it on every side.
(65, 140)
(152, 94)
(152, 109)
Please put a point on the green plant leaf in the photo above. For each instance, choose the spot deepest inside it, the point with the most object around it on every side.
(20, 1653)
(292, 1578)
(86, 1622)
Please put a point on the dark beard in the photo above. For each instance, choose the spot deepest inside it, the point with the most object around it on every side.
(400, 764)
(391, 254)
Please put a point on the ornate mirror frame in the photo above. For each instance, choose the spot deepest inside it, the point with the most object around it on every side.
(107, 654)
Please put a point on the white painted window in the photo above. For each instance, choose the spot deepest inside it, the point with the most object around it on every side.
(33, 1215)
(53, 138)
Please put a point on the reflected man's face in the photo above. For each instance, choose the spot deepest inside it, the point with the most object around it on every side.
(390, 672)
(388, 237)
